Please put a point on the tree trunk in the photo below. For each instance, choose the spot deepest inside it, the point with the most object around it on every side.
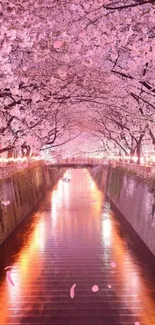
(132, 152)
(25, 149)
(28, 151)
(5, 149)
(138, 152)
(10, 153)
(139, 143)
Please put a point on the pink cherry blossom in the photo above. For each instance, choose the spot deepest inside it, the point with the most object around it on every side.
(57, 44)
(80, 72)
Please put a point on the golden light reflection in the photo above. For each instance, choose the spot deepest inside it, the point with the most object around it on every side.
(24, 272)
(40, 236)
(56, 201)
(66, 187)
(14, 291)
(130, 281)
(54, 208)
(106, 231)
(66, 194)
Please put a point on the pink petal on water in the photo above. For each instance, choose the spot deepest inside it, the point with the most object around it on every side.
(72, 291)
(6, 202)
(113, 264)
(95, 288)
(8, 275)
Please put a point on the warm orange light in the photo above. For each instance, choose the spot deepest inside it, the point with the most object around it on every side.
(20, 159)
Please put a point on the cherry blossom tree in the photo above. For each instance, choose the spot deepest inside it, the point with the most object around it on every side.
(24, 119)
(127, 133)
(65, 64)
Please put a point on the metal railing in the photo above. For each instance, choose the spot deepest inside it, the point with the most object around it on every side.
(141, 170)
(80, 161)
(8, 169)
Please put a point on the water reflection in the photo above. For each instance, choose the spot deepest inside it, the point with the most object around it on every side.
(25, 270)
(106, 231)
(131, 287)
(74, 238)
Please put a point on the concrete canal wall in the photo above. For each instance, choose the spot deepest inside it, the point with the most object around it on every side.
(21, 192)
(134, 197)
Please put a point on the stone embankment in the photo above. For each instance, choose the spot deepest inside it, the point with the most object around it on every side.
(134, 196)
(21, 192)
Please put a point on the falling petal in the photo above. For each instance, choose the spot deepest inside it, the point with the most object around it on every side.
(113, 264)
(6, 202)
(137, 323)
(72, 291)
(8, 275)
(109, 286)
(95, 288)
(8, 267)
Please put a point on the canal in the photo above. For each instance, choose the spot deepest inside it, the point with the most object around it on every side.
(76, 261)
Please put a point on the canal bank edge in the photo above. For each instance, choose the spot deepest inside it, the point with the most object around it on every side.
(134, 197)
(23, 190)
